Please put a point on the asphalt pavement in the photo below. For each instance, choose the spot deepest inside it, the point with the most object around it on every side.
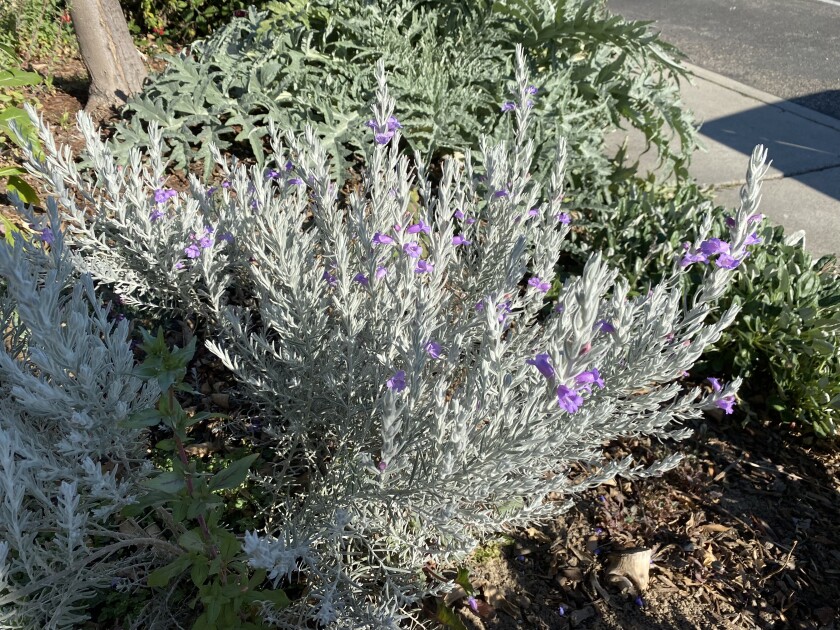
(790, 48)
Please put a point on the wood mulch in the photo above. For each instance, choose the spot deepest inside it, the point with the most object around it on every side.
(741, 532)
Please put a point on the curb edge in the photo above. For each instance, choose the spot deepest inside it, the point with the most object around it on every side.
(764, 97)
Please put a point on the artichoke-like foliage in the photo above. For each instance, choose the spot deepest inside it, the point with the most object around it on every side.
(67, 467)
(449, 68)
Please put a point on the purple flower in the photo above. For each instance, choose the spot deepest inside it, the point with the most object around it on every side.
(639, 601)
(540, 285)
(361, 279)
(163, 194)
(500, 193)
(295, 181)
(715, 383)
(227, 237)
(193, 251)
(529, 104)
(272, 174)
(533, 212)
(381, 272)
(508, 106)
(47, 236)
(503, 310)
(397, 382)
(382, 465)
(473, 604)
(418, 227)
(412, 249)
(424, 266)
(560, 307)
(459, 215)
(460, 240)
(563, 218)
(156, 215)
(433, 349)
(568, 399)
(470, 221)
(726, 403)
(532, 90)
(604, 326)
(205, 241)
(541, 362)
(725, 261)
(381, 239)
(371, 123)
(393, 124)
(730, 222)
(180, 265)
(561, 611)
(211, 190)
(755, 218)
(753, 239)
(226, 184)
(288, 165)
(329, 278)
(693, 258)
(585, 380)
(383, 138)
(714, 246)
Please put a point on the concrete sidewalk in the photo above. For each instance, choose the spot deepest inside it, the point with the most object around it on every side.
(802, 188)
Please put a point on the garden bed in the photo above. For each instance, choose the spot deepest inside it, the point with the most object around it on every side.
(742, 530)
(741, 533)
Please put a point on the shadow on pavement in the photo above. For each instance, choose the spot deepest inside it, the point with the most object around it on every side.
(801, 148)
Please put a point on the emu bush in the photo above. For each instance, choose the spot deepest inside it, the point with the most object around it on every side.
(416, 390)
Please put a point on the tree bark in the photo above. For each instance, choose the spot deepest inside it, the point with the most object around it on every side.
(108, 52)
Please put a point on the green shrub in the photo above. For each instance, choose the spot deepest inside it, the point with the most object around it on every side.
(788, 333)
(182, 21)
(11, 78)
(449, 63)
(786, 340)
(36, 28)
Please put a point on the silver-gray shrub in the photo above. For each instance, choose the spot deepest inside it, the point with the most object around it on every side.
(66, 466)
(404, 419)
(110, 212)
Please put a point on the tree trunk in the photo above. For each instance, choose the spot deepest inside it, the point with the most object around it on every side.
(113, 63)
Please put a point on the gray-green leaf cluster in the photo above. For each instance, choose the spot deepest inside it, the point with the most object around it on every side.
(450, 72)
